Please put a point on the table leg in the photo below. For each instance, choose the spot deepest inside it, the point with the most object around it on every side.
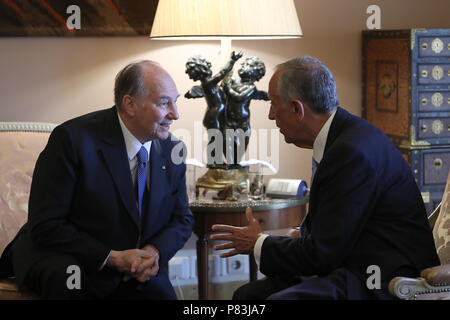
(253, 268)
(202, 266)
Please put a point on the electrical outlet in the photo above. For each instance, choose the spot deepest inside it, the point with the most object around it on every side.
(193, 266)
(236, 264)
(216, 267)
(183, 268)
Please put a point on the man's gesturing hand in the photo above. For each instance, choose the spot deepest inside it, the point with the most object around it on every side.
(242, 239)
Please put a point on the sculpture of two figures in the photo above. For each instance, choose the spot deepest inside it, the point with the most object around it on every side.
(227, 117)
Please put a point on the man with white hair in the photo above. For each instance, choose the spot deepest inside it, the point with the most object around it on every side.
(366, 213)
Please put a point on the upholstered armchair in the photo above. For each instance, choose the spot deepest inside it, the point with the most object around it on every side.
(20, 145)
(434, 282)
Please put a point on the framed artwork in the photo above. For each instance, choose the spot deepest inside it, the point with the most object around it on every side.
(75, 18)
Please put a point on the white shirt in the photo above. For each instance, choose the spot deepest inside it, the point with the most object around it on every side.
(321, 139)
(133, 146)
(318, 150)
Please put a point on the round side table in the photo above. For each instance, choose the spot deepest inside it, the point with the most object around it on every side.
(271, 214)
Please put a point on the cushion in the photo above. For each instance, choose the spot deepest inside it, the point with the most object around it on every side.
(441, 230)
(17, 160)
(20, 150)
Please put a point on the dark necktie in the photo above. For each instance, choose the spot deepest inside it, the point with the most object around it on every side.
(314, 168)
(141, 174)
(303, 230)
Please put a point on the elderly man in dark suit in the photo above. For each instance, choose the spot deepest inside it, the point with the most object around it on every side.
(366, 221)
(107, 199)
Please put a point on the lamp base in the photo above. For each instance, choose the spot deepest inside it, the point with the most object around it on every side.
(229, 181)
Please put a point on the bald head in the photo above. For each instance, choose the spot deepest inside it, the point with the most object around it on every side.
(146, 100)
(131, 80)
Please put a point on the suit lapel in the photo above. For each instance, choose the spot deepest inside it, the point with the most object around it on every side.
(158, 180)
(335, 129)
(339, 119)
(116, 160)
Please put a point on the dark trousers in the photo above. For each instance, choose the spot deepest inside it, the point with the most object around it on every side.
(50, 280)
(340, 284)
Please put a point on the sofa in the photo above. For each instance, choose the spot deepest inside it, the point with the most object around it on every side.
(20, 145)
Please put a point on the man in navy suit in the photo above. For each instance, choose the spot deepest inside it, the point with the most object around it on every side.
(108, 198)
(366, 221)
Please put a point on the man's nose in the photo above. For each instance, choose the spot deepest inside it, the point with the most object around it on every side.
(173, 112)
(271, 114)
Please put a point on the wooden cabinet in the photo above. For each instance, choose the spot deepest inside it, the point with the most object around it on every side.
(406, 93)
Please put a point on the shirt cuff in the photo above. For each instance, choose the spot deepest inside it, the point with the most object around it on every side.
(104, 262)
(258, 248)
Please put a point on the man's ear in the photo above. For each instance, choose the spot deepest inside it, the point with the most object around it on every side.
(298, 108)
(128, 104)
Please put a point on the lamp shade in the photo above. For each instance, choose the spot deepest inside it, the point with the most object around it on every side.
(215, 19)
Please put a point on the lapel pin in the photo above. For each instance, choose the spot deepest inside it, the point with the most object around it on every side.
(164, 167)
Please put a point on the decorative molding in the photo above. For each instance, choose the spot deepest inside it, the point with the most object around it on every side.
(27, 126)
(411, 288)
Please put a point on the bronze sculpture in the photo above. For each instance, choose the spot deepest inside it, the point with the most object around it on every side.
(227, 116)
(198, 68)
(239, 93)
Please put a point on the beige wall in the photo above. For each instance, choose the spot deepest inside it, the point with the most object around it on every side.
(55, 79)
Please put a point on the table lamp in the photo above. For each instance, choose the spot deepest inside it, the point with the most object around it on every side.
(225, 20)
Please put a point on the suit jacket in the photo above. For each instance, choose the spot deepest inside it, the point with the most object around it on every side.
(83, 204)
(364, 209)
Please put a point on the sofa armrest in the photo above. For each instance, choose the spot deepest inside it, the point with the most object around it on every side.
(417, 289)
(437, 276)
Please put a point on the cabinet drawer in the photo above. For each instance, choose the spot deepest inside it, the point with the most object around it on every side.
(430, 167)
(436, 166)
(433, 74)
(434, 128)
(434, 46)
(433, 101)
